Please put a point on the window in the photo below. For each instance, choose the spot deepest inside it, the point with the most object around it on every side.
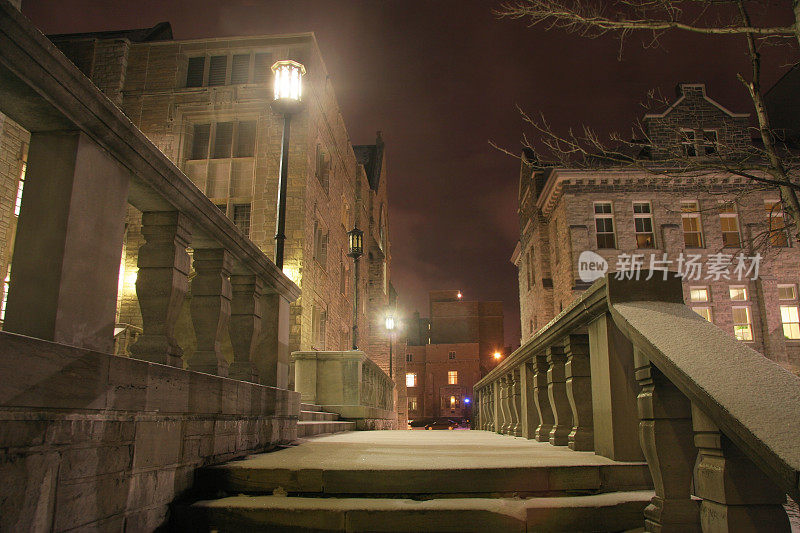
(223, 139)
(223, 134)
(412, 403)
(604, 225)
(319, 317)
(709, 142)
(529, 264)
(342, 278)
(729, 221)
(692, 230)
(409, 358)
(643, 225)
(738, 294)
(194, 73)
(787, 292)
(777, 224)
(320, 245)
(742, 326)
(262, 72)
(688, 146)
(246, 139)
(240, 69)
(791, 322)
(698, 294)
(322, 167)
(6, 283)
(411, 379)
(217, 70)
(452, 377)
(200, 141)
(451, 355)
(241, 217)
(704, 312)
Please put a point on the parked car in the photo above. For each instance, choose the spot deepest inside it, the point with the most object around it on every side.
(442, 423)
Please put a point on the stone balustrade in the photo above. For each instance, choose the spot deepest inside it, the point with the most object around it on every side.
(347, 383)
(631, 373)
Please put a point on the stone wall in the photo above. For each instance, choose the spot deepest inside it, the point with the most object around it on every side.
(92, 441)
(14, 141)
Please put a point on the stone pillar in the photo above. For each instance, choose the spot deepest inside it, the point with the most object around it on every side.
(68, 244)
(579, 392)
(211, 309)
(557, 392)
(272, 353)
(543, 407)
(736, 494)
(666, 436)
(516, 406)
(530, 416)
(245, 325)
(614, 390)
(161, 284)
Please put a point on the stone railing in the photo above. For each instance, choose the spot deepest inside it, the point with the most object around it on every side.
(632, 373)
(347, 383)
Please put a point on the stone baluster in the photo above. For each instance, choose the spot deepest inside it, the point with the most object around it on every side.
(540, 396)
(665, 432)
(579, 392)
(736, 494)
(495, 399)
(245, 325)
(529, 413)
(211, 309)
(557, 392)
(506, 387)
(515, 402)
(161, 285)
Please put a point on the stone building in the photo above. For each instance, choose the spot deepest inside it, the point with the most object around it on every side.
(697, 223)
(449, 352)
(206, 104)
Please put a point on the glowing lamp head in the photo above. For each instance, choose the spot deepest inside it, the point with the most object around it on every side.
(390, 322)
(497, 355)
(288, 76)
(459, 295)
(466, 400)
(356, 239)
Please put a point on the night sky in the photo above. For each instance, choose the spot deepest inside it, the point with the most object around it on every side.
(440, 79)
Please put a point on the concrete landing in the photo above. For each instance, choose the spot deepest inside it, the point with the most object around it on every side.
(427, 463)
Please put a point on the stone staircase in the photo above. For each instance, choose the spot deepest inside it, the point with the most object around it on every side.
(420, 481)
(315, 421)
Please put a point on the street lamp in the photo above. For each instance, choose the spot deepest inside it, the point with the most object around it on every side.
(390, 327)
(497, 356)
(356, 239)
(288, 77)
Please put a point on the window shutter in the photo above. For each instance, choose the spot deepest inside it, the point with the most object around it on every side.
(194, 73)
(202, 133)
(223, 140)
(217, 69)
(240, 68)
(246, 142)
(262, 72)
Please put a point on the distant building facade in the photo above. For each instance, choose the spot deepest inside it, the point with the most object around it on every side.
(447, 353)
(671, 218)
(206, 104)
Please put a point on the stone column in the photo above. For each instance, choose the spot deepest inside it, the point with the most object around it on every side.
(543, 407)
(516, 406)
(245, 325)
(736, 494)
(272, 353)
(579, 392)
(666, 436)
(161, 284)
(211, 309)
(530, 416)
(68, 243)
(614, 390)
(557, 392)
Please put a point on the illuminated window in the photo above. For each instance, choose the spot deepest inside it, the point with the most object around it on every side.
(692, 229)
(698, 294)
(452, 401)
(643, 225)
(6, 283)
(451, 355)
(787, 292)
(777, 225)
(704, 312)
(729, 222)
(411, 379)
(604, 225)
(742, 326)
(452, 377)
(412, 403)
(791, 322)
(738, 294)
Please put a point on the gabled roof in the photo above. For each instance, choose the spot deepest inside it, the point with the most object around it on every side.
(160, 32)
(702, 87)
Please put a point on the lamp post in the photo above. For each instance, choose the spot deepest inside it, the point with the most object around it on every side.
(390, 327)
(288, 77)
(356, 239)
